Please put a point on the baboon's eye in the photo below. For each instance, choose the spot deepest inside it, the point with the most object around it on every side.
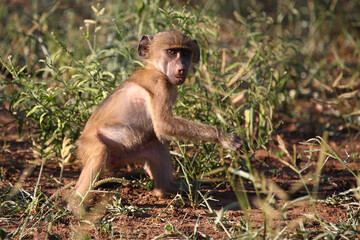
(171, 51)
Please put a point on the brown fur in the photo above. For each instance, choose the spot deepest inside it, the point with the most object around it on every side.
(135, 120)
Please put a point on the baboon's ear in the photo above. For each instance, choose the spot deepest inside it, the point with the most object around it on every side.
(195, 52)
(144, 46)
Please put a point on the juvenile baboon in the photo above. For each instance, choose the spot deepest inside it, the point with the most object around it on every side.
(134, 122)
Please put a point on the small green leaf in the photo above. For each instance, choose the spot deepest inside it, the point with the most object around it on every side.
(33, 110)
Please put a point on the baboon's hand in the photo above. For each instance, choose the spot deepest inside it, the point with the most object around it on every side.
(232, 141)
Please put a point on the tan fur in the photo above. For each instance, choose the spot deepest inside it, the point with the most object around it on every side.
(135, 120)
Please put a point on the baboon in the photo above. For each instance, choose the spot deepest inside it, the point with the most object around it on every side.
(134, 122)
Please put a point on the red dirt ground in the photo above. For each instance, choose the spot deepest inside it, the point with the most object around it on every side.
(161, 212)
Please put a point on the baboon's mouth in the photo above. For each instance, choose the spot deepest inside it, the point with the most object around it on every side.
(180, 79)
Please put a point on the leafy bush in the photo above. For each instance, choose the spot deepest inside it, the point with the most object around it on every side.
(58, 98)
